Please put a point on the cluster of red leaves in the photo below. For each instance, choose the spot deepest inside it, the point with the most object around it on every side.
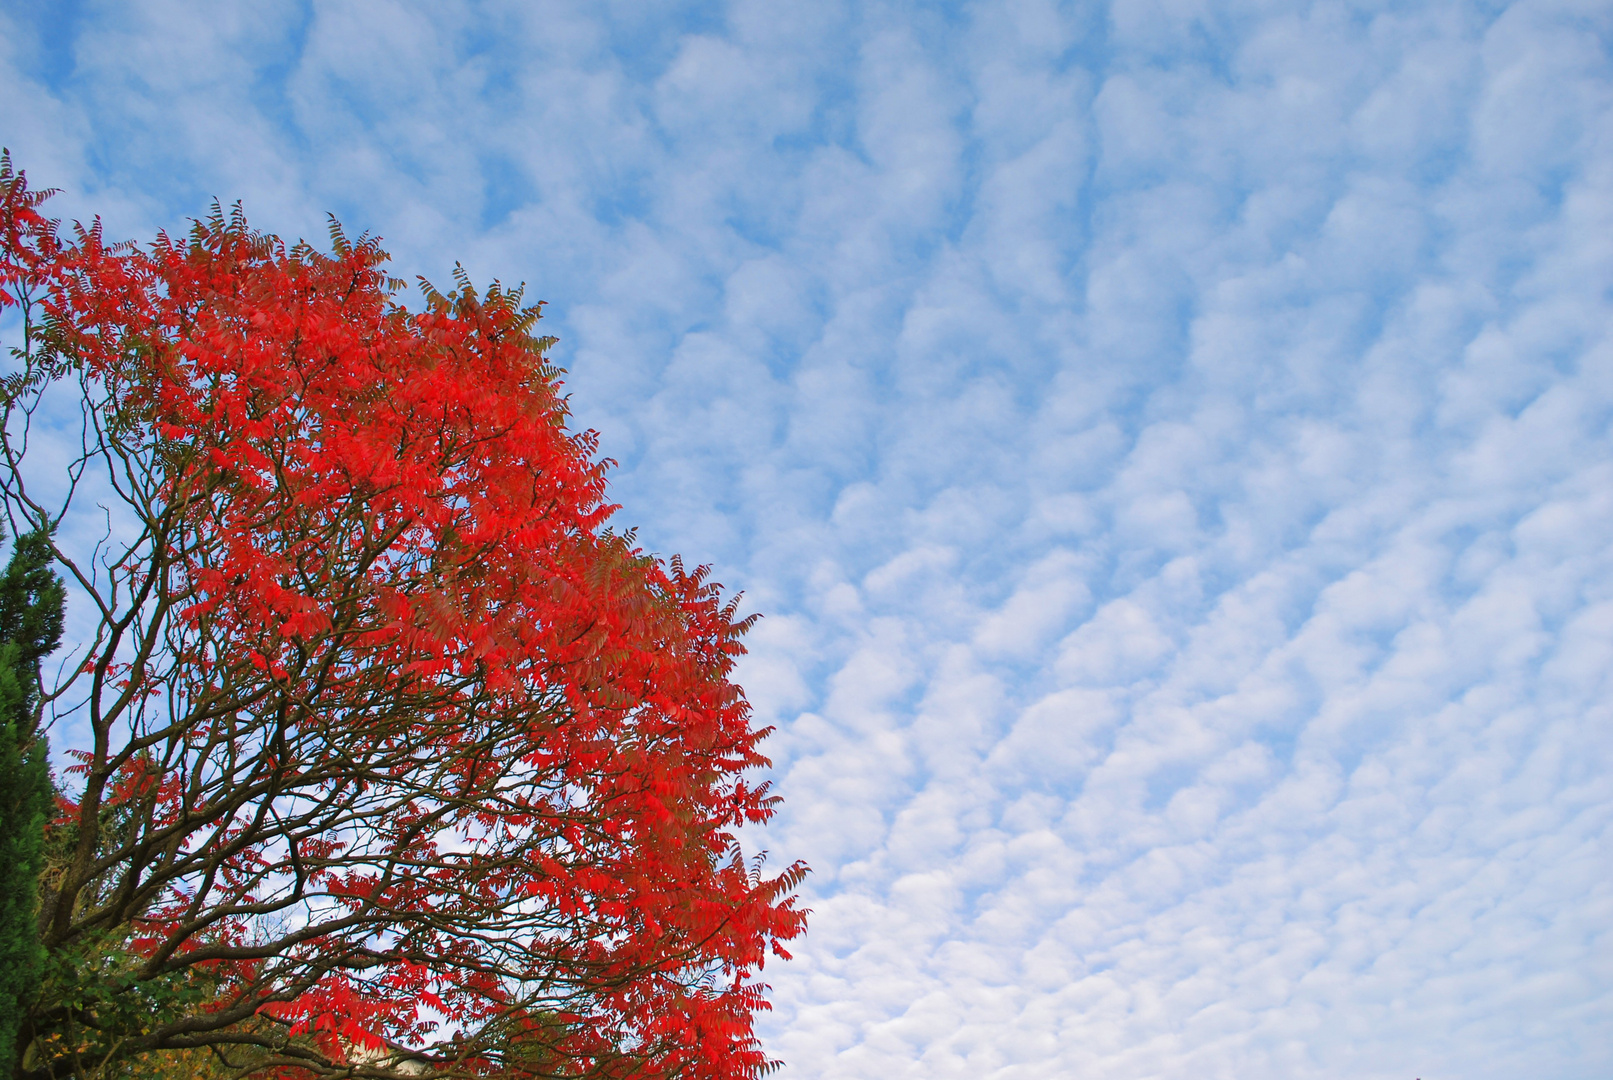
(493, 758)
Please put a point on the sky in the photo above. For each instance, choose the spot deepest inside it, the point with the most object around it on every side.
(1168, 442)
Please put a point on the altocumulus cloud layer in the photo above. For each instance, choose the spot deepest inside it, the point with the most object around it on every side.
(1170, 441)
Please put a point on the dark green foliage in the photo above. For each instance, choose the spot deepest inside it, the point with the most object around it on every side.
(31, 610)
(24, 804)
(32, 606)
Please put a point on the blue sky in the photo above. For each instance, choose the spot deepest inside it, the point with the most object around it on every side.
(1169, 441)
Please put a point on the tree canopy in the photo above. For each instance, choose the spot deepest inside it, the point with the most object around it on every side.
(400, 760)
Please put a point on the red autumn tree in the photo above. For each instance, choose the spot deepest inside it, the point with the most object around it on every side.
(401, 762)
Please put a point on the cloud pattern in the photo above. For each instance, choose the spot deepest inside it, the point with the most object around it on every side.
(1169, 440)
